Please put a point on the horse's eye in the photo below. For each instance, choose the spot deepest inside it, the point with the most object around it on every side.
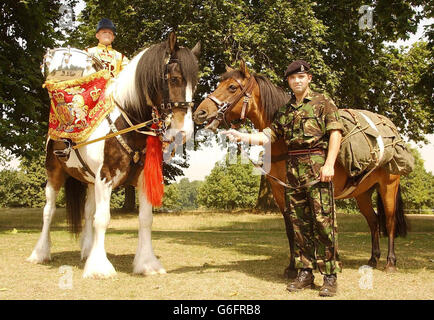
(173, 80)
(233, 88)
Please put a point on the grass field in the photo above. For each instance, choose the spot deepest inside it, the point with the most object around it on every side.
(207, 256)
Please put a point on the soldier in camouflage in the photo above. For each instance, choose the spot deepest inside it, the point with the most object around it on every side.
(312, 130)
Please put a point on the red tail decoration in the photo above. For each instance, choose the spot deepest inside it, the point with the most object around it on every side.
(153, 171)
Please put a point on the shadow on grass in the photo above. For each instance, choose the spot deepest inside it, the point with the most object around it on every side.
(262, 243)
(269, 269)
(264, 258)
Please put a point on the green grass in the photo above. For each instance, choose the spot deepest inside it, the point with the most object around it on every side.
(207, 256)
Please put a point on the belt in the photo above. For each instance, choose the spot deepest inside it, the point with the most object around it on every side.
(306, 151)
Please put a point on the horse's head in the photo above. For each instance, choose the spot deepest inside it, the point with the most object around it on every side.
(159, 83)
(239, 95)
(236, 98)
(180, 80)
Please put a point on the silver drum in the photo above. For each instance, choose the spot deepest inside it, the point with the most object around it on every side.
(68, 63)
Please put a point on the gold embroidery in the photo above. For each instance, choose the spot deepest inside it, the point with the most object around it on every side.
(95, 93)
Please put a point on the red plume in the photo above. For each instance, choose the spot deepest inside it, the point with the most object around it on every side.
(153, 171)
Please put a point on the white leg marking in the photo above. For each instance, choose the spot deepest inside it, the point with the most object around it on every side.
(89, 212)
(145, 261)
(97, 264)
(41, 252)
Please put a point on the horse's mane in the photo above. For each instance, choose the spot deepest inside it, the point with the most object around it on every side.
(141, 82)
(272, 97)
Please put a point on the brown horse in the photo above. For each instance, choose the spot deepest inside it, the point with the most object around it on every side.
(157, 85)
(241, 95)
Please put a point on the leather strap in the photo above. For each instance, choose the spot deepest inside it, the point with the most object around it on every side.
(135, 155)
(301, 152)
(83, 163)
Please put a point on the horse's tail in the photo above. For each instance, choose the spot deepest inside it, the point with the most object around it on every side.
(75, 194)
(401, 224)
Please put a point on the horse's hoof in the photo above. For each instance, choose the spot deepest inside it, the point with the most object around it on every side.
(99, 275)
(149, 269)
(391, 269)
(38, 259)
(98, 268)
(290, 273)
(372, 263)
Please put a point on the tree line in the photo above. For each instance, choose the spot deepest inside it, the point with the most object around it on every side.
(230, 185)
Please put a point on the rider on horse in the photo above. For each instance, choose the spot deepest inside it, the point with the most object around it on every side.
(312, 130)
(112, 60)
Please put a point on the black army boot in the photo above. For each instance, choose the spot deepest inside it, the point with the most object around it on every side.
(330, 286)
(304, 280)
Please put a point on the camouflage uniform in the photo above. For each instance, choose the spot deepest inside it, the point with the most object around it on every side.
(310, 203)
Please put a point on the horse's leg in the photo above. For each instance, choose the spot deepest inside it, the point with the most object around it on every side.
(41, 253)
(97, 264)
(89, 211)
(55, 180)
(145, 261)
(364, 201)
(388, 193)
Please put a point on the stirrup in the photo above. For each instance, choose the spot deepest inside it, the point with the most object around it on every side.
(65, 152)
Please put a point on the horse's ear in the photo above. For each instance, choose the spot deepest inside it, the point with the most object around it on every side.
(243, 68)
(228, 69)
(172, 42)
(196, 49)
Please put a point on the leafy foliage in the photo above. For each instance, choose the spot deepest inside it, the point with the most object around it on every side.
(27, 29)
(182, 195)
(418, 186)
(230, 186)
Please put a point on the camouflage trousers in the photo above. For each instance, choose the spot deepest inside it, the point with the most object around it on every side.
(312, 214)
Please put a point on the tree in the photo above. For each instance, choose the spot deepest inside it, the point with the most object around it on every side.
(265, 199)
(188, 193)
(228, 30)
(230, 186)
(418, 186)
(171, 197)
(373, 75)
(27, 29)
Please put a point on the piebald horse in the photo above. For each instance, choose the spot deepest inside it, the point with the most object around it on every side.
(241, 95)
(164, 70)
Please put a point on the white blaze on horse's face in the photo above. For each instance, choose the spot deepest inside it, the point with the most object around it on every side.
(181, 124)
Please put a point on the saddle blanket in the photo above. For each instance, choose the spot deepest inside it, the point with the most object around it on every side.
(78, 106)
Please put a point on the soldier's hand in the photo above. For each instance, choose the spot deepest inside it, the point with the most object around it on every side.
(327, 173)
(233, 135)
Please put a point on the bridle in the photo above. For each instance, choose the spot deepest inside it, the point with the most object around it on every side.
(225, 106)
(166, 108)
(162, 115)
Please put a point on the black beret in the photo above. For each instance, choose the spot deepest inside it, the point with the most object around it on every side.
(298, 66)
(105, 23)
